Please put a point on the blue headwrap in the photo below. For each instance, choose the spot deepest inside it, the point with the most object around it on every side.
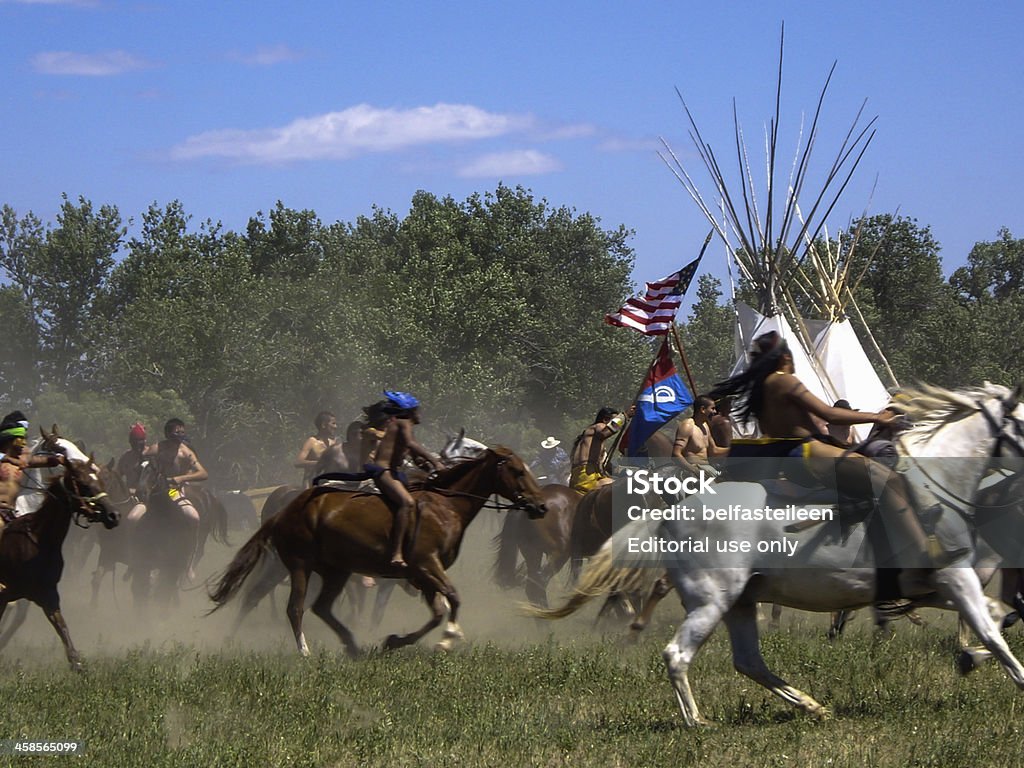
(403, 400)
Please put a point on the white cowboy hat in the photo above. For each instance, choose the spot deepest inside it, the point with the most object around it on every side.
(549, 442)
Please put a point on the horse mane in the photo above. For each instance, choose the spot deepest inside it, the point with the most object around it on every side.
(929, 407)
(449, 476)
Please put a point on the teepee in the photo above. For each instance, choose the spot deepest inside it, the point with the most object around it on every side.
(781, 251)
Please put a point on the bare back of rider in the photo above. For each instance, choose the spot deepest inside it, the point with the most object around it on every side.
(396, 443)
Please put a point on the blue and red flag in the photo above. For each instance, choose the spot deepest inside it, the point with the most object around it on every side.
(664, 395)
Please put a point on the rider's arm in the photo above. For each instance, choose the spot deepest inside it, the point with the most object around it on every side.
(683, 432)
(195, 473)
(418, 450)
(46, 460)
(302, 460)
(831, 415)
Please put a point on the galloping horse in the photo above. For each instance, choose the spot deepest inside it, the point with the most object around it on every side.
(969, 423)
(332, 460)
(542, 542)
(338, 533)
(31, 562)
(592, 524)
(159, 547)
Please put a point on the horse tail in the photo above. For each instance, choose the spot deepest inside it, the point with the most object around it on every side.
(243, 563)
(220, 520)
(605, 574)
(506, 574)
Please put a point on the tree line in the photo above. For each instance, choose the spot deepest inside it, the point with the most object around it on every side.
(488, 309)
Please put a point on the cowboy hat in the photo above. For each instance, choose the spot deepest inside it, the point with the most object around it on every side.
(550, 442)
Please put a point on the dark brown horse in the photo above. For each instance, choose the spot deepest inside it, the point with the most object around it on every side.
(544, 544)
(31, 562)
(337, 533)
(159, 544)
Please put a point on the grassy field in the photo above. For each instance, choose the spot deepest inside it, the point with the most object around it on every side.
(171, 690)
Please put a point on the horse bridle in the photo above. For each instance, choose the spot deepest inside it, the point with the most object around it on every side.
(87, 506)
(1001, 432)
(518, 501)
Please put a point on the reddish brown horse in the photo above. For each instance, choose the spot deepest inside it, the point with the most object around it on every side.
(338, 533)
(31, 562)
(544, 544)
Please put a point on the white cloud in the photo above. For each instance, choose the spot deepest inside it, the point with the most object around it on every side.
(518, 162)
(353, 131)
(267, 56)
(87, 64)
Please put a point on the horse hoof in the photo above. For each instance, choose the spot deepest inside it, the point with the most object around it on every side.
(965, 663)
(443, 645)
(391, 642)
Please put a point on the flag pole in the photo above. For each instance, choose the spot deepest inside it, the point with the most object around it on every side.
(636, 398)
(682, 356)
(675, 330)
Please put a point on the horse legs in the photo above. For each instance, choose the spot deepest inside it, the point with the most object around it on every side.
(961, 587)
(380, 601)
(333, 584)
(20, 614)
(678, 654)
(296, 604)
(536, 583)
(661, 588)
(51, 607)
(440, 595)
(741, 621)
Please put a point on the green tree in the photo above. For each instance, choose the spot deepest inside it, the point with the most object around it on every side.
(708, 335)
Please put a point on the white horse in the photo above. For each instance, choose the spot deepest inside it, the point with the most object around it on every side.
(35, 480)
(978, 423)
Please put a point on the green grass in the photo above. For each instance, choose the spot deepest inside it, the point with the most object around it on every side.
(171, 691)
(588, 702)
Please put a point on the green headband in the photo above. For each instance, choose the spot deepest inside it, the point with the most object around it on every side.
(14, 432)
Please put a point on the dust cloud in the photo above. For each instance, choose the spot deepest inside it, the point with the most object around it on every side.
(115, 626)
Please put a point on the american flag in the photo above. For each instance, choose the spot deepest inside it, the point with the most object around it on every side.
(654, 312)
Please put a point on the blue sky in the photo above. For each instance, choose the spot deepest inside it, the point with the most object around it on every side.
(338, 106)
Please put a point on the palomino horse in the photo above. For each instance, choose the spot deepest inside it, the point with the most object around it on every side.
(972, 423)
(337, 533)
(31, 562)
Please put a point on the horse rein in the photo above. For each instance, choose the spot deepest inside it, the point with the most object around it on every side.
(1000, 432)
(518, 501)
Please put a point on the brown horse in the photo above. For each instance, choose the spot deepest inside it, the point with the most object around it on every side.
(544, 544)
(338, 533)
(31, 562)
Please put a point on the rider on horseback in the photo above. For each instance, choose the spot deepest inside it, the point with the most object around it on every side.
(588, 455)
(785, 412)
(387, 441)
(13, 463)
(130, 466)
(179, 465)
(309, 454)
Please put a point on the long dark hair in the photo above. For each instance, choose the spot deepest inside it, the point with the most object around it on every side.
(747, 386)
